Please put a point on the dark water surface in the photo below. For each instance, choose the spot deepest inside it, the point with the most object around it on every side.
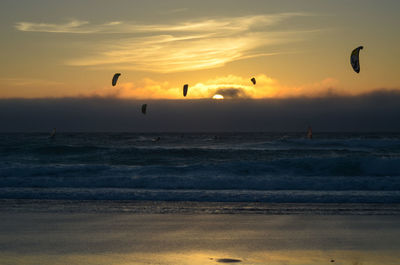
(203, 167)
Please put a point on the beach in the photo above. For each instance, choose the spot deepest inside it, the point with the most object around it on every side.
(62, 234)
(200, 198)
(199, 132)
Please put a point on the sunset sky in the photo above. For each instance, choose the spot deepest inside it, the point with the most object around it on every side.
(293, 48)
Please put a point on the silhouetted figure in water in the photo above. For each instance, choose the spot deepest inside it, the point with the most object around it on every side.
(157, 139)
(309, 133)
(53, 134)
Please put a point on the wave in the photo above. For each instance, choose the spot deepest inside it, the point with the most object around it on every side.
(257, 163)
(279, 174)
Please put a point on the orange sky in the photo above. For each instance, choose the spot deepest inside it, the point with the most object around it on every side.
(293, 49)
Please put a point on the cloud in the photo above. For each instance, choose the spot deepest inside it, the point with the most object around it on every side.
(167, 53)
(230, 86)
(183, 46)
(143, 89)
(73, 26)
(227, 25)
(376, 111)
(267, 87)
(231, 93)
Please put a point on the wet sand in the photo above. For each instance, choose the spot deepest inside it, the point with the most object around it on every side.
(135, 238)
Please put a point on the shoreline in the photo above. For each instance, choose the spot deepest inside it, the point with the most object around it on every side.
(190, 207)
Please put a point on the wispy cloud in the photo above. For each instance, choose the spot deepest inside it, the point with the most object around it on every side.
(166, 53)
(184, 46)
(73, 26)
(224, 26)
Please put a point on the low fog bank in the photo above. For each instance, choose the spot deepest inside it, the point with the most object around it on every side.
(378, 111)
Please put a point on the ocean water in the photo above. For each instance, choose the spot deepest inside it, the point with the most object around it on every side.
(343, 168)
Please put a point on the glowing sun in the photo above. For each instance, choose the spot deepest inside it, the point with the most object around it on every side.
(218, 96)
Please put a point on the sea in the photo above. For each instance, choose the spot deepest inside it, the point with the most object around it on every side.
(221, 172)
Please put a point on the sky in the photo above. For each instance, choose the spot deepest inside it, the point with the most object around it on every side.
(295, 49)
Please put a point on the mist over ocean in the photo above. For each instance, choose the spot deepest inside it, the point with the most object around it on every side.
(202, 167)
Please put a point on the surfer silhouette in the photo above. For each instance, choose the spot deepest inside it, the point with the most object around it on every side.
(309, 133)
(53, 134)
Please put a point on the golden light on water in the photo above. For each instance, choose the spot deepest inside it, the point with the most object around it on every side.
(218, 96)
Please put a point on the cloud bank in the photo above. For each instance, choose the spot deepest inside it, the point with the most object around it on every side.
(372, 112)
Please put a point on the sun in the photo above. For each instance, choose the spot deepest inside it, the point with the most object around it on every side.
(218, 96)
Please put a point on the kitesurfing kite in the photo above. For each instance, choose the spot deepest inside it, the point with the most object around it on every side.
(144, 107)
(355, 59)
(253, 80)
(115, 78)
(185, 89)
